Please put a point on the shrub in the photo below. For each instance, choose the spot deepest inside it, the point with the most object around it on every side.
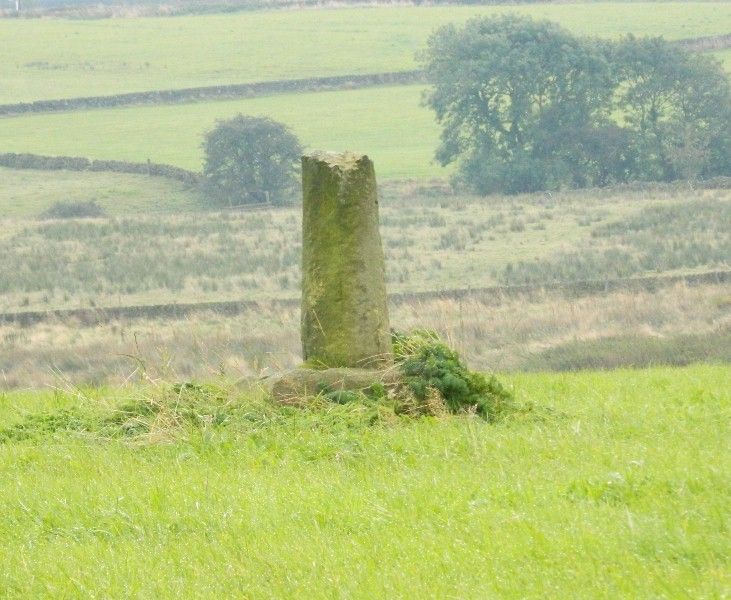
(633, 351)
(249, 160)
(73, 210)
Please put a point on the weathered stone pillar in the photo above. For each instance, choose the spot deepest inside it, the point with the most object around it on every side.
(344, 304)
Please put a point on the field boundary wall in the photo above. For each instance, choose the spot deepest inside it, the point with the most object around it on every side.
(79, 163)
(215, 92)
(708, 43)
(93, 9)
(93, 316)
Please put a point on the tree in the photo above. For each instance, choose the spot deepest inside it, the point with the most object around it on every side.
(677, 106)
(250, 159)
(526, 106)
(512, 95)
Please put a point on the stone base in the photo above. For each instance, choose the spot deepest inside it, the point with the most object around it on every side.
(295, 387)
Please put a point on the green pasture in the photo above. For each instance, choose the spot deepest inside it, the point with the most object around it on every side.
(55, 58)
(27, 193)
(387, 123)
(621, 490)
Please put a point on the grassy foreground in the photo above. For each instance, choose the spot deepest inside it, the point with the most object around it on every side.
(621, 492)
(109, 56)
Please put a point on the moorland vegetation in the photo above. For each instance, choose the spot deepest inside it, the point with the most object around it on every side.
(432, 242)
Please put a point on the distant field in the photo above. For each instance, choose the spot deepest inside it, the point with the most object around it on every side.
(388, 124)
(27, 193)
(49, 58)
(620, 490)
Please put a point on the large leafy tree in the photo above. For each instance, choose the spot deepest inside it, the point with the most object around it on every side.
(250, 159)
(519, 102)
(525, 106)
(677, 107)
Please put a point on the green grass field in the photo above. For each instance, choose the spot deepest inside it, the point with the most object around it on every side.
(27, 193)
(389, 124)
(100, 57)
(621, 491)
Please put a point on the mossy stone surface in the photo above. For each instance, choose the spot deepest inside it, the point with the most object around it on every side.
(344, 304)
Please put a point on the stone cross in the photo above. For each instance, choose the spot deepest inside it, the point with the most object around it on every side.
(344, 303)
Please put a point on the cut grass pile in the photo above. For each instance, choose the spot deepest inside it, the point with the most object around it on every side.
(108, 56)
(623, 492)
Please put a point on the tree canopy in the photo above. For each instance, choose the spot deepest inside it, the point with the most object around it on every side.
(250, 159)
(677, 107)
(525, 106)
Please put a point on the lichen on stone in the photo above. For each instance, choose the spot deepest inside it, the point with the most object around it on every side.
(344, 304)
